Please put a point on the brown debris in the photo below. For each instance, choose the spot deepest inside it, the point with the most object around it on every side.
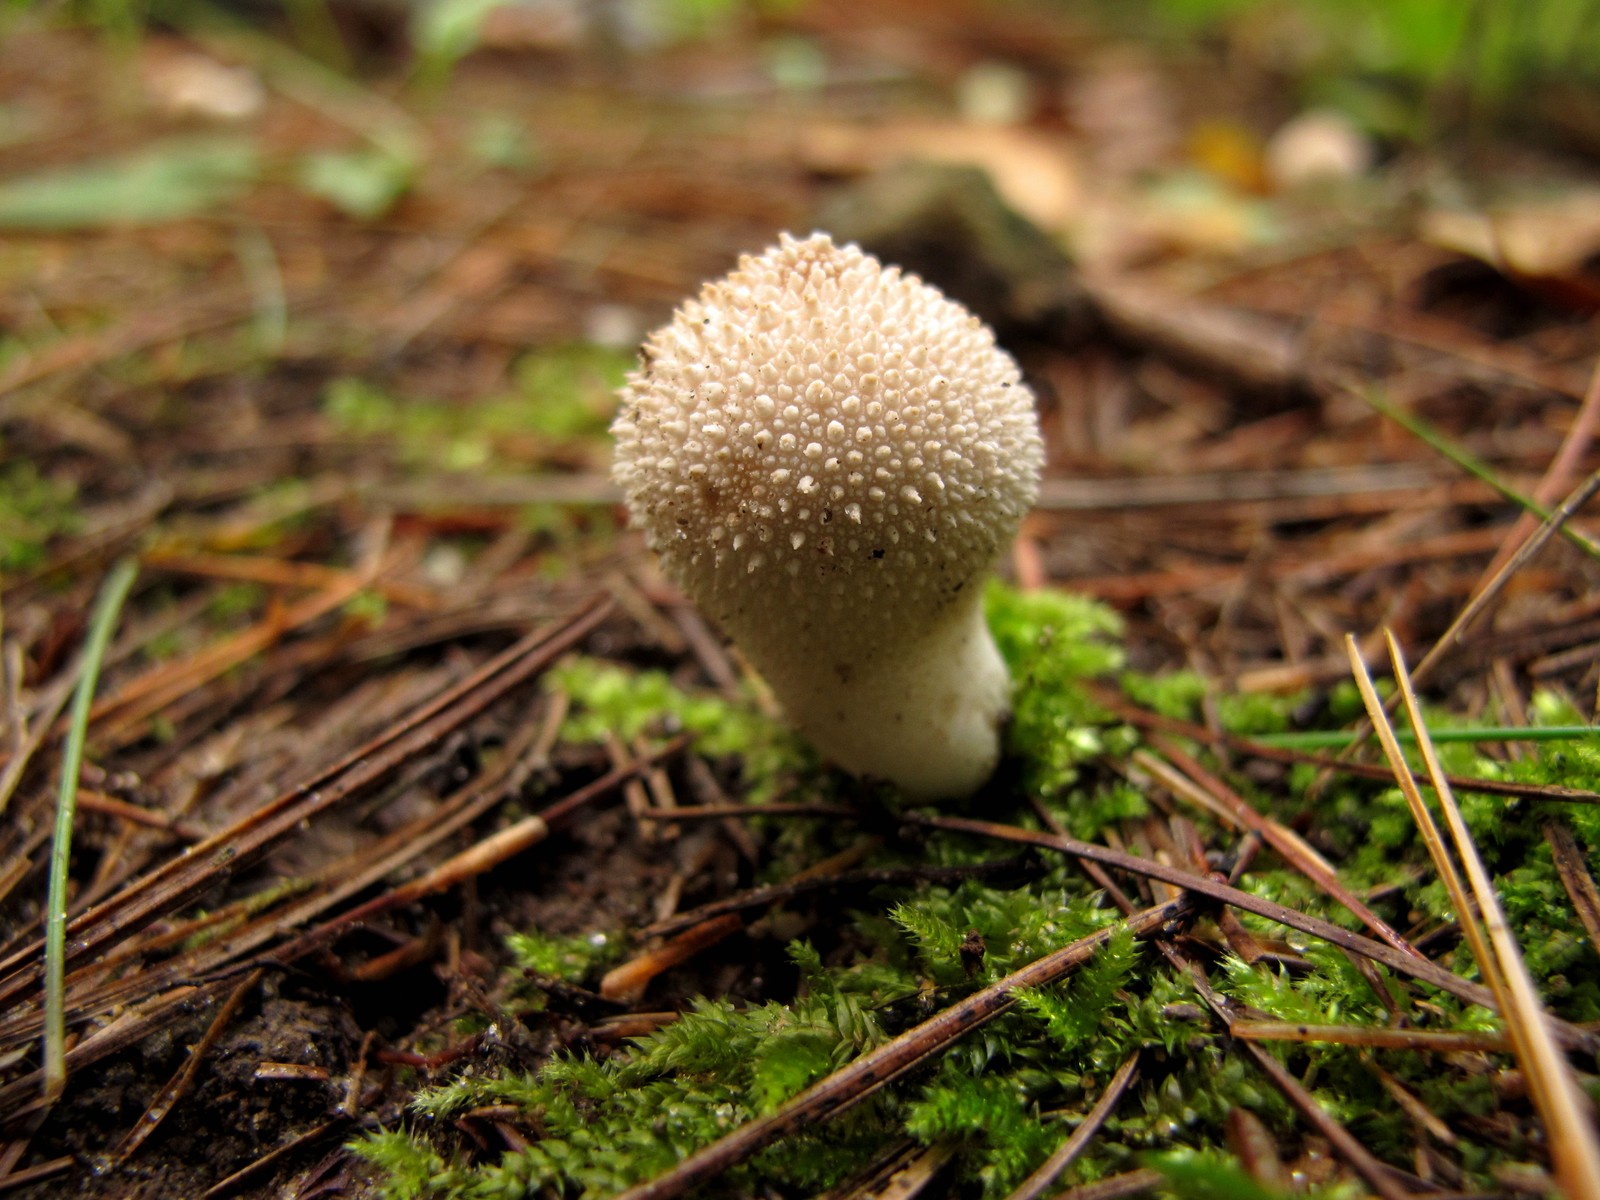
(316, 763)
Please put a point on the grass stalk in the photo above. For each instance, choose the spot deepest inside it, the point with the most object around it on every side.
(1326, 739)
(107, 607)
(1472, 465)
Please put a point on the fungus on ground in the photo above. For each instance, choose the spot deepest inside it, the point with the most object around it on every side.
(829, 456)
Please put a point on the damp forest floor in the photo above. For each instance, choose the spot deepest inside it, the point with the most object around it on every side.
(427, 843)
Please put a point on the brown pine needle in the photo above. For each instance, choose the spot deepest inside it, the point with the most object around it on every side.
(1188, 779)
(1050, 1170)
(1383, 1037)
(175, 1087)
(1575, 876)
(1574, 1151)
(883, 1064)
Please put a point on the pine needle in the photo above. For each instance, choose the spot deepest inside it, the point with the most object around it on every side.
(1574, 1151)
(112, 593)
(1049, 1171)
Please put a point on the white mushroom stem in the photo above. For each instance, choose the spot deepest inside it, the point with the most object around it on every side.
(829, 456)
(924, 713)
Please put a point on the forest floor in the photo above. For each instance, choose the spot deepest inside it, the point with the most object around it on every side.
(331, 354)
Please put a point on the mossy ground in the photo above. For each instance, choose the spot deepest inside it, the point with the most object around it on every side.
(1007, 1095)
(338, 374)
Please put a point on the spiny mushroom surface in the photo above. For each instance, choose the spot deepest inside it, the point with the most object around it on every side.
(829, 456)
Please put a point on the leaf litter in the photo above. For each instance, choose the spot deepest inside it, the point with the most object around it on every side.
(453, 856)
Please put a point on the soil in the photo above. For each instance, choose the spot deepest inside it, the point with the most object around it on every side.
(307, 584)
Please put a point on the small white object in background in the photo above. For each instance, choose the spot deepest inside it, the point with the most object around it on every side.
(994, 93)
(614, 326)
(184, 84)
(829, 456)
(1318, 146)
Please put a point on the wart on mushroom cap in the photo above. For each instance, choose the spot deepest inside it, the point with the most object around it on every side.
(829, 455)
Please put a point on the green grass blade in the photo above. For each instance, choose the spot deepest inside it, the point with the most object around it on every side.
(1473, 466)
(112, 594)
(1334, 739)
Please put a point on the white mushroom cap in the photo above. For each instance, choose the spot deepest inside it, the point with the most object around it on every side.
(829, 456)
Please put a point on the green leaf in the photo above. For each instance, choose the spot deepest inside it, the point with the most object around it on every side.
(1209, 1175)
(163, 182)
(363, 184)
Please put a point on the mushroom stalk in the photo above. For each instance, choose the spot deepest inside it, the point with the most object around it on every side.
(829, 455)
(924, 714)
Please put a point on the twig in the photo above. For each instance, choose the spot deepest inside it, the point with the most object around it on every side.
(38, 1172)
(1575, 877)
(174, 1088)
(250, 1171)
(1117, 1187)
(1050, 1170)
(174, 883)
(1382, 1036)
(152, 1011)
(1418, 968)
(851, 1084)
(1288, 844)
(1357, 1155)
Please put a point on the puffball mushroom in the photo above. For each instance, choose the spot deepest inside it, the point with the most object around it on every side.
(829, 456)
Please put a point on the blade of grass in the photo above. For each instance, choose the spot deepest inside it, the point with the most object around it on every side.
(1333, 739)
(1566, 463)
(107, 607)
(1568, 1118)
(1475, 467)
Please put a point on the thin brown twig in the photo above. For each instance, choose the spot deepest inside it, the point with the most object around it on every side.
(1115, 1187)
(883, 1064)
(253, 1170)
(1289, 845)
(1575, 876)
(1422, 969)
(153, 1011)
(1061, 1158)
(167, 1098)
(38, 1173)
(714, 812)
(1387, 1037)
(172, 884)
(348, 878)
(1376, 1174)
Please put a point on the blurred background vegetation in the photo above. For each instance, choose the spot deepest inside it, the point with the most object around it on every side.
(1394, 63)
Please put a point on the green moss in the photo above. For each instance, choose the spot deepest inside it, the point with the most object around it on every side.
(34, 508)
(561, 394)
(1006, 1094)
(568, 958)
(609, 700)
(1052, 643)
